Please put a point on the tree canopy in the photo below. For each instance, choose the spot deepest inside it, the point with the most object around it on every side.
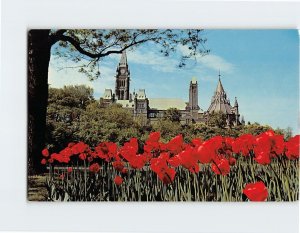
(172, 114)
(65, 107)
(217, 119)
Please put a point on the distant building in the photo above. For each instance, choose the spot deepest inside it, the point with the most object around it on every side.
(152, 109)
(220, 103)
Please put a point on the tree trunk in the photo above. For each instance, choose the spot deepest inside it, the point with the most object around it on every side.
(39, 48)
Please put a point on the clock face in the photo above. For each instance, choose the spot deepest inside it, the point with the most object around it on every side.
(122, 71)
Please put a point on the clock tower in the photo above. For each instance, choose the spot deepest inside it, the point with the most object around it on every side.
(122, 79)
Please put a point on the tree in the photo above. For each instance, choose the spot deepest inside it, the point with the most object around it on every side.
(287, 133)
(217, 119)
(254, 129)
(172, 114)
(90, 46)
(65, 107)
(113, 123)
(167, 128)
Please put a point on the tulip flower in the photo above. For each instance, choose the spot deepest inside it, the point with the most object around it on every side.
(256, 191)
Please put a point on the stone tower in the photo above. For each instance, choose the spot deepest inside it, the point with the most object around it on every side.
(122, 79)
(193, 95)
(193, 99)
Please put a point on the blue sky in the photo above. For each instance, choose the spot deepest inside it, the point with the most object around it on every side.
(259, 67)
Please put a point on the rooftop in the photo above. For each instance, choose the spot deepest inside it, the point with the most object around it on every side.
(166, 103)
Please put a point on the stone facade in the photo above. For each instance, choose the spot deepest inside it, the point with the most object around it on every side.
(153, 109)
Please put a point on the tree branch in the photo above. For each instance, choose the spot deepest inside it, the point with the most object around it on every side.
(77, 46)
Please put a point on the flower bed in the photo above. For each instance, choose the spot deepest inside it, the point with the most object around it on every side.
(255, 168)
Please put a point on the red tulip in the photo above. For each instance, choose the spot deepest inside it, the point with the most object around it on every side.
(137, 161)
(82, 156)
(278, 144)
(106, 150)
(118, 180)
(118, 165)
(70, 169)
(269, 133)
(174, 161)
(188, 159)
(167, 176)
(197, 141)
(269, 142)
(292, 147)
(124, 170)
(154, 137)
(130, 149)
(243, 144)
(160, 167)
(67, 152)
(50, 160)
(45, 152)
(205, 153)
(71, 144)
(94, 168)
(175, 145)
(79, 148)
(151, 146)
(60, 158)
(44, 161)
(256, 191)
(220, 166)
(232, 161)
(263, 157)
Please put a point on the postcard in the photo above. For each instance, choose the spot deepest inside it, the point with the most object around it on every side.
(146, 115)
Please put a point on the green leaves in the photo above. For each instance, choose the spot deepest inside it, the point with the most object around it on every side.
(65, 107)
(172, 114)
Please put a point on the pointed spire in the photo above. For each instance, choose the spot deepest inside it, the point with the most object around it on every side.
(219, 101)
(220, 88)
(123, 61)
(236, 102)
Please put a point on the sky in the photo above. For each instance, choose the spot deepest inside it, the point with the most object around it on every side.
(259, 67)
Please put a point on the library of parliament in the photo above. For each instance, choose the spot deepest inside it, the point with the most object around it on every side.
(152, 109)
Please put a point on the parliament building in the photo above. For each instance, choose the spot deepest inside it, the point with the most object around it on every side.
(152, 109)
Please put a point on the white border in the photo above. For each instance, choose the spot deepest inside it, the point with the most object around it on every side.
(17, 214)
